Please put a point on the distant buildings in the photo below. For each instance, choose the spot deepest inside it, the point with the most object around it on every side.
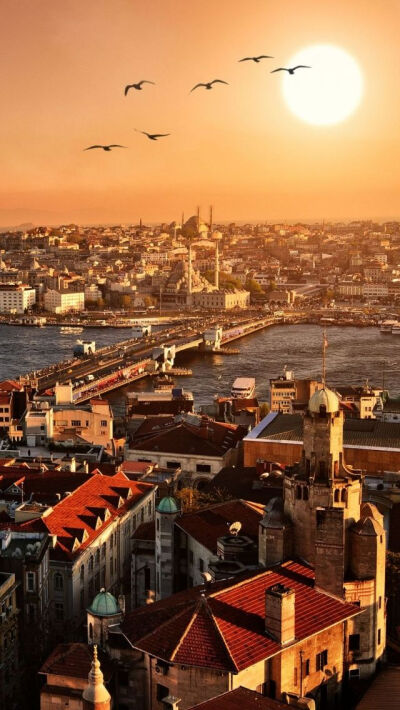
(60, 302)
(16, 298)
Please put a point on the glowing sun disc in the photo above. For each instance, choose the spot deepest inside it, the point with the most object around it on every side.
(327, 93)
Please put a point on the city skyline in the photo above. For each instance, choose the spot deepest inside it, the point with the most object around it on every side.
(238, 147)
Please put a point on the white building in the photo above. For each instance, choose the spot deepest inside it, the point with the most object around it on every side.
(16, 298)
(222, 299)
(64, 301)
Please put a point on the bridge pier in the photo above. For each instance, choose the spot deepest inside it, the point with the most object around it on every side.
(212, 338)
(164, 357)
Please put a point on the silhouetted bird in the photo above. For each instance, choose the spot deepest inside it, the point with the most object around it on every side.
(137, 86)
(153, 136)
(209, 84)
(106, 147)
(291, 70)
(255, 59)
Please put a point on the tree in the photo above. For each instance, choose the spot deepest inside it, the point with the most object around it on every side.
(192, 499)
(264, 409)
(253, 286)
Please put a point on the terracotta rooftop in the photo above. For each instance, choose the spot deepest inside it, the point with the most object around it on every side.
(240, 699)
(211, 439)
(74, 660)
(226, 629)
(207, 525)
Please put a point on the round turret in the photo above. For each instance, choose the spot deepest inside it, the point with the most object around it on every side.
(167, 505)
(324, 398)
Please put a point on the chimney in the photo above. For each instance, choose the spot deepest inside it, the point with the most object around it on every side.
(280, 613)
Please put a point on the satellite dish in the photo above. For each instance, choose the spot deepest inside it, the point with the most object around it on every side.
(235, 528)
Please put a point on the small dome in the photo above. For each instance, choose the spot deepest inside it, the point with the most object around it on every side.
(368, 527)
(104, 604)
(324, 398)
(167, 505)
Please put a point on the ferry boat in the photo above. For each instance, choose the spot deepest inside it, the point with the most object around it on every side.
(68, 329)
(243, 388)
(387, 325)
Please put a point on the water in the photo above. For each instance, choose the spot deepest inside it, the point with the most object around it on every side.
(353, 356)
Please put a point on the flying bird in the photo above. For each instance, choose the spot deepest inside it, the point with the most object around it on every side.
(106, 147)
(291, 70)
(255, 59)
(153, 136)
(137, 86)
(209, 84)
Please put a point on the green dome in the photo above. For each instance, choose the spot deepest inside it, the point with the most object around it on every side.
(167, 505)
(104, 604)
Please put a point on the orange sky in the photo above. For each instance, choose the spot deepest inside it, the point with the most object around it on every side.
(63, 67)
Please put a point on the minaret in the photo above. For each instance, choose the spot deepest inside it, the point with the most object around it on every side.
(217, 265)
(211, 220)
(96, 696)
(198, 220)
(189, 288)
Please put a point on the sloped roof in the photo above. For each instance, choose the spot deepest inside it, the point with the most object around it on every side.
(82, 516)
(207, 525)
(241, 699)
(74, 660)
(226, 629)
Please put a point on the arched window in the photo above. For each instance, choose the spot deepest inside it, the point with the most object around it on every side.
(344, 495)
(337, 495)
(298, 492)
(58, 582)
(97, 556)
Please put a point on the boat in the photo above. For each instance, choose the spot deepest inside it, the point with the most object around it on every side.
(396, 328)
(387, 325)
(163, 383)
(69, 329)
(243, 388)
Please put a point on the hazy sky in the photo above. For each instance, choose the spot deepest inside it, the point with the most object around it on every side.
(64, 64)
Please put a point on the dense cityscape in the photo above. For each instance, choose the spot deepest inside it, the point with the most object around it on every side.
(166, 554)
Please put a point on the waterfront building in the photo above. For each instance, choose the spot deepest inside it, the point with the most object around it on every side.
(222, 299)
(288, 394)
(64, 301)
(16, 298)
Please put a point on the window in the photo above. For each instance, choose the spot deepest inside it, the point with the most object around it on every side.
(307, 667)
(298, 492)
(337, 495)
(147, 578)
(379, 636)
(82, 572)
(203, 468)
(149, 508)
(103, 550)
(354, 642)
(91, 563)
(321, 660)
(380, 603)
(201, 565)
(191, 557)
(75, 422)
(162, 691)
(58, 582)
(173, 464)
(142, 515)
(97, 556)
(59, 609)
(30, 581)
(103, 422)
(344, 495)
(111, 566)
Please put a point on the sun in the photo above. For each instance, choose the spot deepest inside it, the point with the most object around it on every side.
(327, 93)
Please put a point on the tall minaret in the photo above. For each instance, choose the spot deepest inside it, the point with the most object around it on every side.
(217, 265)
(198, 220)
(211, 220)
(189, 286)
(96, 696)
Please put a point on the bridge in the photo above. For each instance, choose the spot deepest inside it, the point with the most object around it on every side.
(125, 362)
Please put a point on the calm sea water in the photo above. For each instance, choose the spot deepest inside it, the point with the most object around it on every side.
(353, 356)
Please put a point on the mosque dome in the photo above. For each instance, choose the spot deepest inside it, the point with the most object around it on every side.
(104, 604)
(167, 505)
(324, 398)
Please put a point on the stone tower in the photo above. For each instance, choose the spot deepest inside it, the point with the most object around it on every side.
(103, 612)
(322, 521)
(96, 696)
(166, 513)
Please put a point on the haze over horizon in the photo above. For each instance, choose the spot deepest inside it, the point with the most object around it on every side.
(237, 147)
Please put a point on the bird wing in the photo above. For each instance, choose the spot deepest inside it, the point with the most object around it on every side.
(144, 132)
(116, 145)
(159, 135)
(246, 59)
(218, 81)
(197, 85)
(129, 86)
(93, 146)
(145, 81)
(301, 66)
(264, 56)
(280, 69)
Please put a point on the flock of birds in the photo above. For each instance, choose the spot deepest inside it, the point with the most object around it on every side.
(208, 85)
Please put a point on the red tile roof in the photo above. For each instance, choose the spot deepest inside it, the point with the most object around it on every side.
(72, 518)
(74, 660)
(240, 699)
(226, 629)
(207, 525)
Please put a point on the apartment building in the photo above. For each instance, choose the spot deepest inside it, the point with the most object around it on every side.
(16, 298)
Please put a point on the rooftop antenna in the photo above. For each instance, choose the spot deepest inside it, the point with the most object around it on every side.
(324, 346)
